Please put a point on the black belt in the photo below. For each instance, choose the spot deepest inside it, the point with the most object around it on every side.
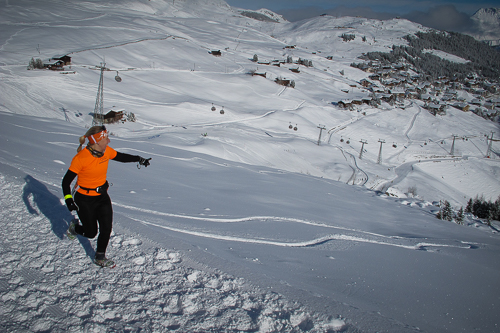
(100, 189)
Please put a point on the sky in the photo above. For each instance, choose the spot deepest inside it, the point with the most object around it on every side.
(444, 15)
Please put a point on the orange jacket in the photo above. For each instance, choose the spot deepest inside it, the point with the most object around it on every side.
(91, 170)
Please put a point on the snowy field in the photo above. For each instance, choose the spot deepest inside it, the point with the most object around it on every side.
(240, 223)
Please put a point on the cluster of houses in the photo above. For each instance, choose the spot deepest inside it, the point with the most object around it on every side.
(393, 84)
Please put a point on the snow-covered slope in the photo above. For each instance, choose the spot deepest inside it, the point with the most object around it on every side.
(237, 194)
(167, 70)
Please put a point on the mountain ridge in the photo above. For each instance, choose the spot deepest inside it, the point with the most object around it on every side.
(487, 26)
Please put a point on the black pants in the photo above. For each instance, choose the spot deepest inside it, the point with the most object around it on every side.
(95, 211)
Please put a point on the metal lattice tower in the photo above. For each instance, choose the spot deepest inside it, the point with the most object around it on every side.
(321, 128)
(452, 151)
(379, 159)
(98, 113)
(488, 153)
(363, 143)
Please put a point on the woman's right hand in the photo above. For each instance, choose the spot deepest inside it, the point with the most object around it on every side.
(70, 203)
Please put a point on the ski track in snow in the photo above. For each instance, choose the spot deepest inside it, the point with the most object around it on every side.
(382, 240)
(48, 283)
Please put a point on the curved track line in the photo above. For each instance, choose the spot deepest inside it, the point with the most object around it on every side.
(313, 242)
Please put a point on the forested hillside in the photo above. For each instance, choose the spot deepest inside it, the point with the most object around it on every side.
(483, 60)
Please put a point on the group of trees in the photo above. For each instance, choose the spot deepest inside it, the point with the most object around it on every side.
(422, 62)
(483, 59)
(348, 37)
(484, 209)
(305, 62)
(35, 64)
(479, 207)
(447, 213)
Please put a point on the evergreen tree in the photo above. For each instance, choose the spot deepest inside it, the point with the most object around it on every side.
(460, 216)
(468, 208)
(31, 64)
(39, 63)
(447, 212)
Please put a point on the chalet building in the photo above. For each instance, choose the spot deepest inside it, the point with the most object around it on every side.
(481, 92)
(216, 53)
(439, 84)
(65, 59)
(415, 78)
(436, 109)
(489, 106)
(426, 97)
(422, 87)
(365, 83)
(54, 65)
(391, 82)
(386, 97)
(259, 74)
(495, 101)
(492, 88)
(398, 92)
(449, 96)
(476, 101)
(472, 84)
(113, 117)
(367, 100)
(462, 106)
(486, 113)
(346, 103)
(412, 94)
(385, 72)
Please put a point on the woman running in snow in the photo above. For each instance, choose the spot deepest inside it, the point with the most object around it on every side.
(91, 200)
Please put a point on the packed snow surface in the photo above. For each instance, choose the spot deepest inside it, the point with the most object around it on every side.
(241, 223)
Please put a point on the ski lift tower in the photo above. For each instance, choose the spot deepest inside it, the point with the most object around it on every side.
(98, 114)
(321, 128)
(363, 143)
(488, 153)
(379, 159)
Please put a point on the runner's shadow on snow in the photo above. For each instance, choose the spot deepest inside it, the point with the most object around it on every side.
(36, 194)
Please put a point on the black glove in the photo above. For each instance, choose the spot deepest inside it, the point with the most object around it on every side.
(144, 161)
(70, 203)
